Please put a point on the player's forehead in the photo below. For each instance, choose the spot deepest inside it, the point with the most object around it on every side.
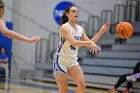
(74, 8)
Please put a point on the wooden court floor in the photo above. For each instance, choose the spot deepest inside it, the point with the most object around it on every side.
(39, 87)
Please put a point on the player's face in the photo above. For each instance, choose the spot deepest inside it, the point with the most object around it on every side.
(73, 13)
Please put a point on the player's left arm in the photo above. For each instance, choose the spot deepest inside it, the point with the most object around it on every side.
(84, 36)
(104, 28)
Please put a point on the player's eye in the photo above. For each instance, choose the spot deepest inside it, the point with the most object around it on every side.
(74, 11)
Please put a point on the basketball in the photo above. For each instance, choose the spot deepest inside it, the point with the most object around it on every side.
(124, 30)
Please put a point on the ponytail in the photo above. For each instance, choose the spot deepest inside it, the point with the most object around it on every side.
(64, 19)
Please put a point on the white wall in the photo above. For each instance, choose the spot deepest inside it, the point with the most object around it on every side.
(96, 6)
(42, 12)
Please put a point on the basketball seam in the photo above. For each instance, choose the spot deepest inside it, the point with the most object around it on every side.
(125, 32)
(121, 33)
(128, 26)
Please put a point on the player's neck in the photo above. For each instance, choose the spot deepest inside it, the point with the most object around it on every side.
(73, 24)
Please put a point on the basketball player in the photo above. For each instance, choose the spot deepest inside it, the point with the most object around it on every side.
(11, 34)
(65, 62)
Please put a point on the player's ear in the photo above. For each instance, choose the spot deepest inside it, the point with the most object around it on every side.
(66, 14)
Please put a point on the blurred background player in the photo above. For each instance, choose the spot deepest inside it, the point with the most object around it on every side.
(133, 77)
(125, 77)
(11, 34)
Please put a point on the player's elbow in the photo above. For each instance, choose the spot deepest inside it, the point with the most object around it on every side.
(5, 33)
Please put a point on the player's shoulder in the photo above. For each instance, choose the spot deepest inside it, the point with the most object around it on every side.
(63, 27)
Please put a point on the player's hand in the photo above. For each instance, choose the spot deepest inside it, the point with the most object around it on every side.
(94, 49)
(34, 39)
(106, 26)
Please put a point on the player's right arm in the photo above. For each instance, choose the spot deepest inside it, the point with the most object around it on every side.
(64, 31)
(14, 35)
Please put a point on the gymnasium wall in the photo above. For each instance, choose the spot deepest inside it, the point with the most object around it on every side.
(35, 17)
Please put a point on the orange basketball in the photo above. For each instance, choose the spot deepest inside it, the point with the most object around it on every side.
(124, 30)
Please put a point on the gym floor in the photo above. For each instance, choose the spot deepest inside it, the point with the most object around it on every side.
(29, 86)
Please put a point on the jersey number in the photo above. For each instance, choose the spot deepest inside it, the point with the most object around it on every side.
(72, 47)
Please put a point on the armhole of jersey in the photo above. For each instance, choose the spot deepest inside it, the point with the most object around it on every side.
(68, 26)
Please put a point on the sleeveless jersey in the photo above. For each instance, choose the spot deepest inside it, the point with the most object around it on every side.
(65, 48)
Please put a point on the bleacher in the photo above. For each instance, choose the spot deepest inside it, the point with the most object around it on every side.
(103, 70)
(117, 57)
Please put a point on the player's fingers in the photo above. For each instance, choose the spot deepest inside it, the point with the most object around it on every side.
(92, 50)
(96, 52)
(99, 49)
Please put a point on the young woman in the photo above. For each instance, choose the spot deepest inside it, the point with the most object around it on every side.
(11, 34)
(65, 62)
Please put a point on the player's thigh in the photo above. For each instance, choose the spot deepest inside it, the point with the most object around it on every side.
(61, 79)
(76, 74)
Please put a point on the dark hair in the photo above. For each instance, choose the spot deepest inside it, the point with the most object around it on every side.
(137, 68)
(1, 4)
(64, 18)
